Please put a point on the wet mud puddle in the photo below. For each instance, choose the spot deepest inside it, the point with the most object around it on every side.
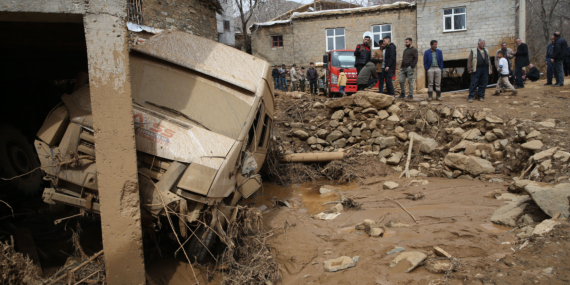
(305, 196)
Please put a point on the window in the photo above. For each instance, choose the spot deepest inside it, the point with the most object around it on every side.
(226, 25)
(335, 39)
(262, 137)
(454, 19)
(379, 32)
(277, 41)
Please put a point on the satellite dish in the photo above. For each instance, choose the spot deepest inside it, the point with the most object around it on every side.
(369, 34)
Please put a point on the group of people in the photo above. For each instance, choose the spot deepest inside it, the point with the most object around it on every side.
(298, 78)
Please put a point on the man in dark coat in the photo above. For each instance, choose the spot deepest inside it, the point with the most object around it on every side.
(313, 76)
(367, 76)
(521, 61)
(275, 75)
(362, 54)
(390, 64)
(567, 66)
(533, 73)
(549, 71)
(558, 57)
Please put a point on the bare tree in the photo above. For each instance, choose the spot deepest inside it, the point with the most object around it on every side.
(244, 9)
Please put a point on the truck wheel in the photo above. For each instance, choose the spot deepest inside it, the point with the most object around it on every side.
(196, 250)
(18, 157)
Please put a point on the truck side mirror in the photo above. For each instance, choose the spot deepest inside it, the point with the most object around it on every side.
(325, 58)
(325, 66)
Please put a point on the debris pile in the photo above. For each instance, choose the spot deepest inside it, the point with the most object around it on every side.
(15, 268)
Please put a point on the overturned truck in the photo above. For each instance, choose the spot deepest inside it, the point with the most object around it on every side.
(202, 116)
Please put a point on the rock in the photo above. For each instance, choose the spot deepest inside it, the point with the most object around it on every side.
(399, 129)
(545, 165)
(533, 134)
(460, 146)
(499, 133)
(465, 177)
(471, 134)
(338, 115)
(562, 156)
(457, 173)
(322, 133)
(395, 158)
(345, 132)
(385, 142)
(547, 124)
(335, 135)
(318, 105)
(440, 252)
(544, 154)
(394, 110)
(376, 232)
(402, 136)
(438, 266)
(393, 118)
(428, 145)
(351, 115)
(518, 185)
(509, 214)
(478, 166)
(446, 112)
(356, 132)
(493, 194)
(366, 99)
(473, 148)
(547, 270)
(301, 134)
(312, 141)
(504, 143)
(296, 125)
(340, 143)
(457, 114)
(478, 116)
(385, 152)
(327, 189)
(431, 117)
(493, 119)
(413, 257)
(490, 137)
(340, 103)
(396, 224)
(336, 208)
(550, 199)
(395, 250)
(532, 145)
(457, 131)
(390, 185)
(419, 182)
(343, 262)
(383, 114)
(333, 123)
(545, 227)
(321, 141)
(370, 111)
(456, 160)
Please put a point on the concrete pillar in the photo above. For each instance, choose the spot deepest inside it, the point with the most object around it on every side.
(522, 20)
(109, 80)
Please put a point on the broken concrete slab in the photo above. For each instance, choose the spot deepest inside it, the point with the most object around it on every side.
(341, 263)
(509, 214)
(550, 199)
(413, 257)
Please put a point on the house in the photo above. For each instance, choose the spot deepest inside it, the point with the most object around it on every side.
(225, 24)
(458, 25)
(304, 37)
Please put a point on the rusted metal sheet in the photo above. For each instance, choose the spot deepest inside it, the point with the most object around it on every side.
(207, 57)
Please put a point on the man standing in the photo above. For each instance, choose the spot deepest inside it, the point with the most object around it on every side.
(379, 56)
(503, 69)
(294, 77)
(367, 76)
(302, 79)
(362, 54)
(433, 64)
(409, 61)
(313, 76)
(533, 73)
(389, 64)
(521, 61)
(549, 71)
(283, 78)
(567, 69)
(275, 75)
(558, 57)
(479, 66)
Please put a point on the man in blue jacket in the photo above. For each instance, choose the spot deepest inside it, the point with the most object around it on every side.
(549, 70)
(433, 64)
(557, 58)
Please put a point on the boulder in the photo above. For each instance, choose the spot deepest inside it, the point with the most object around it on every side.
(499, 133)
(471, 134)
(383, 114)
(413, 257)
(335, 135)
(491, 137)
(551, 199)
(340, 143)
(493, 119)
(356, 132)
(394, 110)
(395, 158)
(385, 142)
(390, 185)
(312, 141)
(333, 123)
(340, 103)
(343, 262)
(478, 166)
(532, 145)
(428, 145)
(431, 117)
(446, 112)
(457, 114)
(376, 232)
(456, 160)
(509, 214)
(322, 133)
(338, 115)
(301, 134)
(544, 154)
(393, 118)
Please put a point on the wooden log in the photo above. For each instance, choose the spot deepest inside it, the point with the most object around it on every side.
(312, 157)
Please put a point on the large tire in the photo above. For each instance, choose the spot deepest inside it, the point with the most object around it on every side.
(18, 157)
(196, 250)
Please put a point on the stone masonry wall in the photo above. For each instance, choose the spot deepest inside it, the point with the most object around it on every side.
(261, 44)
(494, 21)
(191, 16)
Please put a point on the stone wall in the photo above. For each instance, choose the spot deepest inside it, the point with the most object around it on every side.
(261, 44)
(494, 21)
(191, 16)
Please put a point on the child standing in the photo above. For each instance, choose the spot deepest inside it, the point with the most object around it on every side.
(503, 69)
(342, 82)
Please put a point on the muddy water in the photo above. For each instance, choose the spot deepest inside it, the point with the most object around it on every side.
(304, 196)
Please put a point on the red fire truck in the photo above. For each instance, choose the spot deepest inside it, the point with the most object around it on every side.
(335, 60)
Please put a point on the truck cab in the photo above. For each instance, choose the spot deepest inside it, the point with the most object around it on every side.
(335, 60)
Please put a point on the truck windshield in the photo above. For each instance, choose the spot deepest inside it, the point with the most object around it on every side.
(343, 59)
